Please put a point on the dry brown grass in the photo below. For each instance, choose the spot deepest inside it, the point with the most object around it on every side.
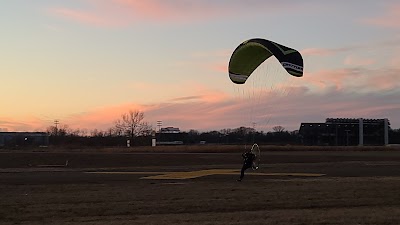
(204, 201)
(239, 148)
(73, 197)
(209, 148)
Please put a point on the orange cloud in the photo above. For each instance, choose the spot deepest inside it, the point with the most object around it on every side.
(27, 123)
(104, 118)
(101, 118)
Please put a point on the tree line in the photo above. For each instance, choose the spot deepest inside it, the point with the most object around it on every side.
(132, 126)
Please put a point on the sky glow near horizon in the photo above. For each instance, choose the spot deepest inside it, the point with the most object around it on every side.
(85, 62)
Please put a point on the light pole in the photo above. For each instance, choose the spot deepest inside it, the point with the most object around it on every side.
(56, 122)
(159, 124)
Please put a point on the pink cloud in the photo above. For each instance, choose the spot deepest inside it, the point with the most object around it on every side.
(206, 113)
(357, 61)
(83, 16)
(318, 95)
(174, 89)
(207, 96)
(356, 80)
(384, 80)
(216, 61)
(395, 60)
(271, 108)
(327, 79)
(316, 52)
(219, 67)
(166, 10)
(126, 12)
(329, 51)
(214, 65)
(223, 53)
(116, 13)
(391, 18)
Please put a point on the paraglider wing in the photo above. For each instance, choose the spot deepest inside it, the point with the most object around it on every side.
(251, 53)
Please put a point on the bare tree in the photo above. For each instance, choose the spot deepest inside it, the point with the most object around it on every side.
(78, 132)
(278, 129)
(132, 125)
(62, 130)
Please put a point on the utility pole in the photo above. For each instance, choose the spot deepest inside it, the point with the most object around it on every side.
(56, 122)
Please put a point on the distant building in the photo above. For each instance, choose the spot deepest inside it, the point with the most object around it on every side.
(12, 139)
(169, 136)
(170, 130)
(346, 132)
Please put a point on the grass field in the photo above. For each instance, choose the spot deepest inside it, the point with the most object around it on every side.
(360, 187)
(205, 148)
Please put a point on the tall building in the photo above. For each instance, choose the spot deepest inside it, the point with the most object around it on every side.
(346, 132)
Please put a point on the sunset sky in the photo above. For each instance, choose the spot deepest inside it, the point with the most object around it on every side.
(85, 62)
